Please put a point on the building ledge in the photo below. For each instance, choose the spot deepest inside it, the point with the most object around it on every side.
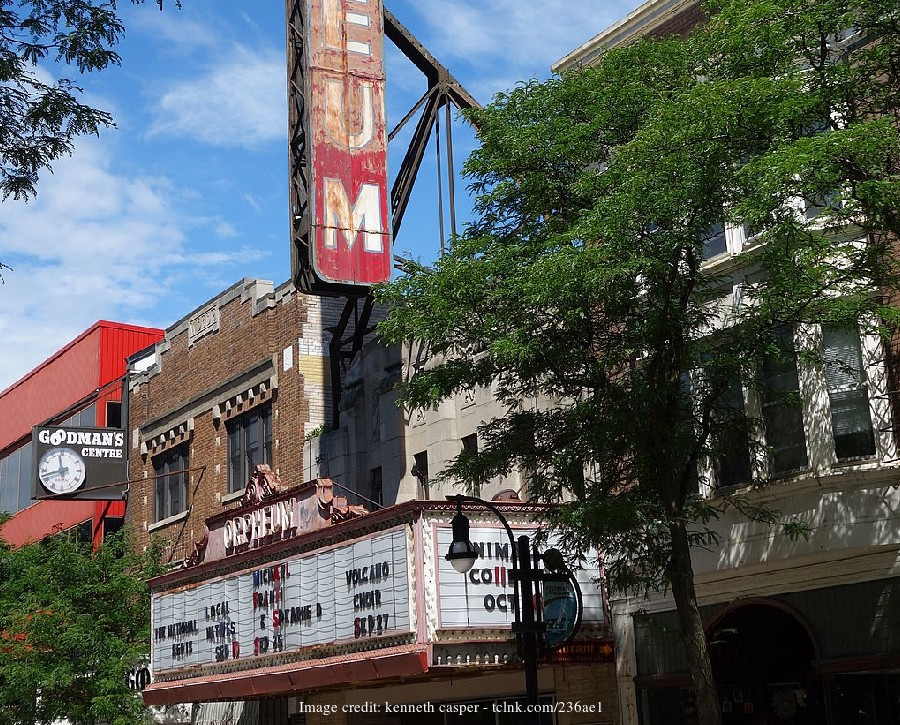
(170, 520)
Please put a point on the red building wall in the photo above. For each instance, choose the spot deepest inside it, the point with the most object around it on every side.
(86, 370)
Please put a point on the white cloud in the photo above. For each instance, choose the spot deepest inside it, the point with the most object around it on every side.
(96, 244)
(511, 37)
(238, 101)
(173, 27)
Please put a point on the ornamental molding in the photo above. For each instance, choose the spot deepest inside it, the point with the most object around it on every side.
(251, 387)
(169, 438)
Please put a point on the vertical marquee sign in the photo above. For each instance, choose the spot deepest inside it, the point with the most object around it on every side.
(349, 231)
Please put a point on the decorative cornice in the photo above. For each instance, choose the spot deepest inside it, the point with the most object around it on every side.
(253, 386)
(169, 438)
(639, 23)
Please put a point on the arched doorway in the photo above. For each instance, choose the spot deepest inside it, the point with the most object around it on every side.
(762, 657)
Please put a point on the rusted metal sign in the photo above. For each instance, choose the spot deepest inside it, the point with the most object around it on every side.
(350, 232)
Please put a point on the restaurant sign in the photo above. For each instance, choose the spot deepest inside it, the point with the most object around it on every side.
(354, 591)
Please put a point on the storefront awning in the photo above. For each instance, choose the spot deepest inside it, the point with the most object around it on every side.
(382, 664)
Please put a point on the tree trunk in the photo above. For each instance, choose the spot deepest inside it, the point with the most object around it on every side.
(682, 577)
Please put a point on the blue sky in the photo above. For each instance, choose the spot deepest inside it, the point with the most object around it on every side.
(188, 193)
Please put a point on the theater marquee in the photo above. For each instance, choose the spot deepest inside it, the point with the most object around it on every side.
(485, 596)
(350, 593)
(304, 605)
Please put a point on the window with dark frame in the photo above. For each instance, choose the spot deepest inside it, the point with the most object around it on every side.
(782, 409)
(249, 444)
(113, 414)
(170, 484)
(112, 525)
(732, 462)
(470, 445)
(376, 486)
(15, 480)
(420, 471)
(84, 418)
(82, 533)
(715, 241)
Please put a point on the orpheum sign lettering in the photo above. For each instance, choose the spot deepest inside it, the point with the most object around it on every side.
(350, 235)
(276, 519)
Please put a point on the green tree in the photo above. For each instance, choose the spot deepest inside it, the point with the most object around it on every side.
(41, 116)
(582, 280)
(73, 623)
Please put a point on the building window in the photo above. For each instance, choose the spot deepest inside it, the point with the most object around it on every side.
(819, 204)
(170, 485)
(470, 447)
(84, 418)
(15, 480)
(112, 525)
(714, 242)
(82, 533)
(848, 393)
(113, 414)
(376, 487)
(249, 444)
(783, 409)
(420, 471)
(732, 463)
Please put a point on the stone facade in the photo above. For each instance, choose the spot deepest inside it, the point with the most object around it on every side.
(410, 448)
(764, 595)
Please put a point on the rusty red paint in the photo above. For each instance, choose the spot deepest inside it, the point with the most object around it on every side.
(350, 235)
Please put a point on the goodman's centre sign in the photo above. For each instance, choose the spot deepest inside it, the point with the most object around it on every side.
(82, 463)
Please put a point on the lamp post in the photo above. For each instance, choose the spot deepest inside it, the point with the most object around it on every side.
(462, 555)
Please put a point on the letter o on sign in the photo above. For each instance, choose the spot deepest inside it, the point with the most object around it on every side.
(139, 678)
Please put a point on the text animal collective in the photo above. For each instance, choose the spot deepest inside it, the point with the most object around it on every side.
(357, 590)
(485, 596)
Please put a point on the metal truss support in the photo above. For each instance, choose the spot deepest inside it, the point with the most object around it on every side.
(343, 347)
(443, 91)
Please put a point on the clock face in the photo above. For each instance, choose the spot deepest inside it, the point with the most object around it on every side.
(61, 470)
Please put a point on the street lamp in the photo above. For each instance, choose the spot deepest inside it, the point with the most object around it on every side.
(462, 555)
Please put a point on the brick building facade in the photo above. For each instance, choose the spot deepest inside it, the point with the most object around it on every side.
(250, 363)
(246, 379)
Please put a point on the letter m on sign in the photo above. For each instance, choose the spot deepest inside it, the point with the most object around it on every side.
(344, 220)
(352, 242)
